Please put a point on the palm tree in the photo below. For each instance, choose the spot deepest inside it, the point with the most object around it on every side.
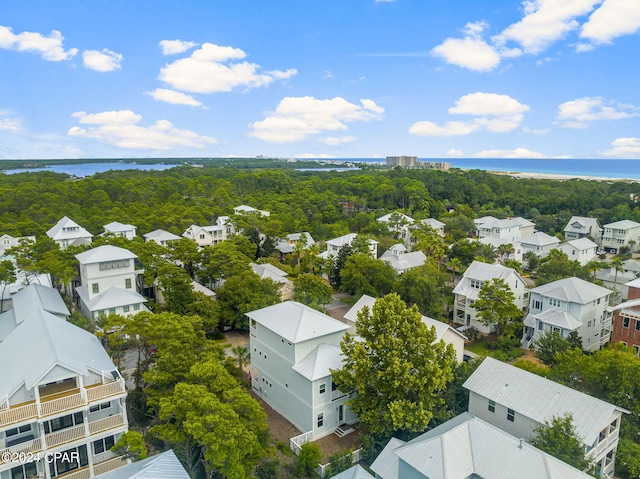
(242, 354)
(455, 264)
(616, 263)
(592, 267)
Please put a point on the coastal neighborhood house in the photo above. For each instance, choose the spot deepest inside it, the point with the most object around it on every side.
(468, 447)
(290, 242)
(466, 292)
(512, 229)
(581, 250)
(626, 323)
(570, 304)
(443, 331)
(67, 232)
(333, 246)
(7, 241)
(582, 227)
(625, 233)
(65, 397)
(118, 229)
(539, 243)
(293, 348)
(162, 237)
(518, 401)
(249, 210)
(401, 260)
(269, 271)
(110, 280)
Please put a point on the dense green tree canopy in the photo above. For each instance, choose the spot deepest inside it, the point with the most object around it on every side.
(397, 368)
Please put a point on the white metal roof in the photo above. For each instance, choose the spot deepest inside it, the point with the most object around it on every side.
(269, 271)
(466, 447)
(581, 244)
(104, 253)
(574, 290)
(355, 472)
(296, 322)
(539, 399)
(58, 233)
(161, 235)
(41, 341)
(161, 466)
(403, 262)
(386, 218)
(539, 239)
(482, 272)
(319, 362)
(582, 221)
(556, 317)
(111, 298)
(434, 223)
(117, 227)
(623, 225)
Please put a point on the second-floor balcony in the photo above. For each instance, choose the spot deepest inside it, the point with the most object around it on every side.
(59, 402)
(64, 436)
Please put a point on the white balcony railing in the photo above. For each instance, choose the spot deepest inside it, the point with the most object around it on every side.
(61, 403)
(106, 423)
(32, 446)
(83, 473)
(65, 435)
(108, 465)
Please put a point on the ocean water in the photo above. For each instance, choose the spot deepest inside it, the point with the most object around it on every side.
(601, 168)
(88, 169)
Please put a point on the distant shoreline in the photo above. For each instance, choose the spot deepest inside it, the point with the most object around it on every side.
(557, 177)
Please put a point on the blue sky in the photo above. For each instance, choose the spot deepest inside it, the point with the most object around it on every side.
(308, 78)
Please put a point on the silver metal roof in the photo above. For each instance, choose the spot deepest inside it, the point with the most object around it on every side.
(41, 341)
(355, 472)
(57, 232)
(623, 225)
(161, 235)
(468, 447)
(104, 253)
(319, 362)
(539, 239)
(540, 399)
(161, 466)
(574, 290)
(296, 322)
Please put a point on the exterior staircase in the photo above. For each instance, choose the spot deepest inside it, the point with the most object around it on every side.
(343, 432)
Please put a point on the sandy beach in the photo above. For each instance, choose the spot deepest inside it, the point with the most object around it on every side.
(550, 176)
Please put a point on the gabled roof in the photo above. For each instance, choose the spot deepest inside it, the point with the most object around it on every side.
(296, 237)
(581, 244)
(402, 216)
(116, 227)
(482, 272)
(631, 265)
(434, 223)
(556, 317)
(491, 222)
(468, 447)
(623, 225)
(610, 276)
(245, 208)
(296, 322)
(319, 362)
(104, 253)
(574, 290)
(161, 235)
(161, 466)
(269, 271)
(355, 472)
(35, 297)
(405, 261)
(52, 342)
(539, 399)
(58, 233)
(110, 298)
(540, 239)
(577, 223)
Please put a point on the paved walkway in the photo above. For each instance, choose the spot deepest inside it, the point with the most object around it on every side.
(337, 309)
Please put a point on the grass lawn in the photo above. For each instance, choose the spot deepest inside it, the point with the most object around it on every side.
(482, 347)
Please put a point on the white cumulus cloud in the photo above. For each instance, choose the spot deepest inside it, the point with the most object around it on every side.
(10, 124)
(215, 68)
(515, 153)
(577, 113)
(545, 22)
(492, 112)
(471, 53)
(173, 47)
(102, 61)
(173, 97)
(121, 128)
(298, 118)
(48, 46)
(614, 18)
(624, 148)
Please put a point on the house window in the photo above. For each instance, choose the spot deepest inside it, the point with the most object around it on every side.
(602, 435)
(136, 307)
(63, 422)
(540, 325)
(69, 461)
(537, 304)
(323, 388)
(125, 309)
(609, 458)
(492, 406)
(511, 415)
(637, 324)
(613, 426)
(625, 322)
(24, 471)
(103, 445)
(127, 283)
(476, 284)
(636, 349)
(555, 302)
(320, 421)
(112, 310)
(95, 288)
